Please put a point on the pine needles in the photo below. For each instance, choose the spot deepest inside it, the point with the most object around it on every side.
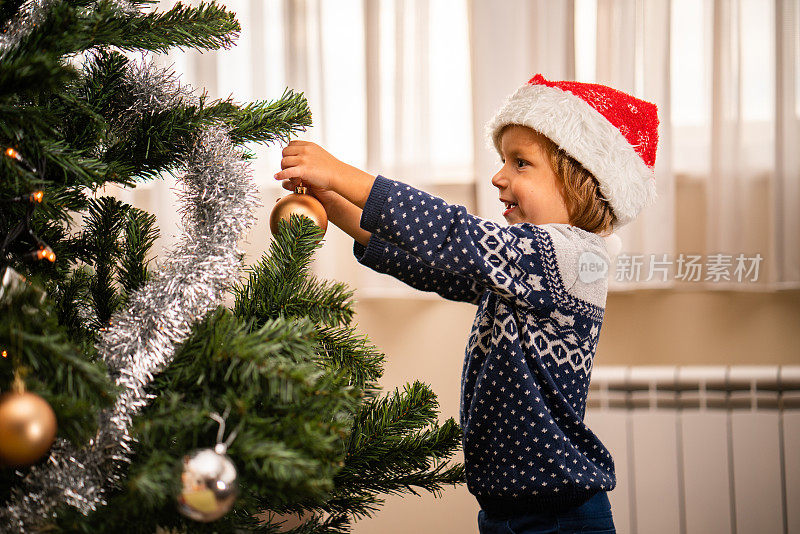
(315, 435)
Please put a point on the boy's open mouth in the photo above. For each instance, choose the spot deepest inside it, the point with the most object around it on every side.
(509, 206)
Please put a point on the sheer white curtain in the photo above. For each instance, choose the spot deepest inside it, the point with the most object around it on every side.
(753, 190)
(405, 87)
(735, 82)
(786, 195)
(510, 42)
(408, 64)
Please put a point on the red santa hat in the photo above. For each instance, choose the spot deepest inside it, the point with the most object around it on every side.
(612, 134)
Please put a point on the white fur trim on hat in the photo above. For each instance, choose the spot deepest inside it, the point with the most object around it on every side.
(626, 182)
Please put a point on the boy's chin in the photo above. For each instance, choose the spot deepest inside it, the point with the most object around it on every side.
(513, 218)
(518, 220)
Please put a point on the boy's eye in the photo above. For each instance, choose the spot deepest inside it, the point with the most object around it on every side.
(519, 162)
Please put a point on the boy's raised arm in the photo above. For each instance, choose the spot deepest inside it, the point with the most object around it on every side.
(387, 258)
(518, 262)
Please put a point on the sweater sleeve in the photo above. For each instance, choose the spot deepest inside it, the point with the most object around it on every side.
(386, 258)
(517, 261)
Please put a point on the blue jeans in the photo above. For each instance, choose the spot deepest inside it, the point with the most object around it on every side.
(591, 517)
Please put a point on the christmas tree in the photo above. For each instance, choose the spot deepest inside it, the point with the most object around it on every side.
(152, 381)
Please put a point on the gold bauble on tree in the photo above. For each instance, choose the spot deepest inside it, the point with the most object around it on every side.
(27, 426)
(298, 203)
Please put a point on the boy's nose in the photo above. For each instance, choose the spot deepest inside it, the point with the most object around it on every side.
(499, 180)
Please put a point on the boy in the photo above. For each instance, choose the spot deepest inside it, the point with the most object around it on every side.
(577, 163)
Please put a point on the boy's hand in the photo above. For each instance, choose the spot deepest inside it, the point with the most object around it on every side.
(308, 163)
(325, 196)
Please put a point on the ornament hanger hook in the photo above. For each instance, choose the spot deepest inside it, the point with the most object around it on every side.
(18, 386)
(222, 446)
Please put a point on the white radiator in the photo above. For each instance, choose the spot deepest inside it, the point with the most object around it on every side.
(701, 450)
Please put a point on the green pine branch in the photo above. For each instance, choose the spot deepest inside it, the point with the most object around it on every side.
(274, 281)
(393, 415)
(73, 27)
(345, 350)
(266, 121)
(150, 146)
(73, 303)
(38, 72)
(140, 233)
(99, 96)
(291, 419)
(100, 238)
(396, 447)
(325, 302)
(205, 26)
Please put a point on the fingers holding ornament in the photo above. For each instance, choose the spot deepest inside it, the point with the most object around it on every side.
(311, 163)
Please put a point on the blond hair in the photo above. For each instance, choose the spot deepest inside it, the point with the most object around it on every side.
(586, 206)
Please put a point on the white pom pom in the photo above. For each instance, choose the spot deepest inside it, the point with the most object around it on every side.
(613, 245)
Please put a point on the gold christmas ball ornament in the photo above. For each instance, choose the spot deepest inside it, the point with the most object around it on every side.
(210, 485)
(298, 203)
(27, 427)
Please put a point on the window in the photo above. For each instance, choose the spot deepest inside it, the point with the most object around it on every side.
(424, 127)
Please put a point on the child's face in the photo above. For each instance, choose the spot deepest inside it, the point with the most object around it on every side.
(527, 180)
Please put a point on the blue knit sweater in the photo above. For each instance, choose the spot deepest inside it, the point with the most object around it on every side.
(529, 356)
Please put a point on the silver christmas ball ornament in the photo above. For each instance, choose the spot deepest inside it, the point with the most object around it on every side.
(210, 484)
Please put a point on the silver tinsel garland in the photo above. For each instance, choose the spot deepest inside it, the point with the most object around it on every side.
(218, 202)
(29, 15)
